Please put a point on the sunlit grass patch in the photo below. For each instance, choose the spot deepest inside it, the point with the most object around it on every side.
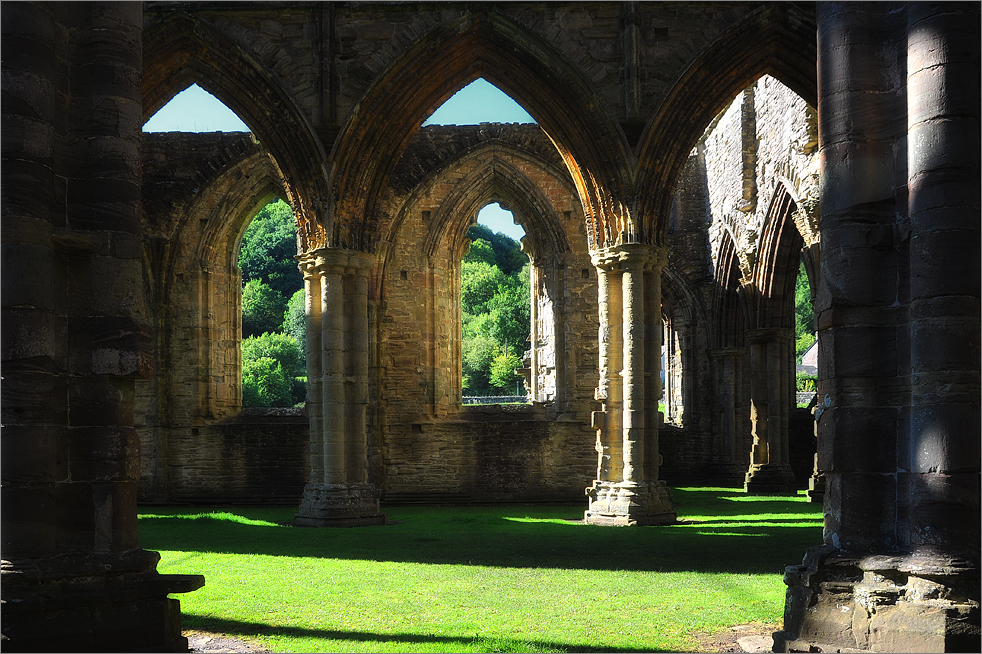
(481, 579)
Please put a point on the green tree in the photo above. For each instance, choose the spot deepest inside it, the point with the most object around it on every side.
(804, 314)
(481, 250)
(264, 383)
(269, 246)
(510, 311)
(503, 375)
(479, 281)
(477, 353)
(262, 308)
(295, 318)
(284, 350)
(508, 255)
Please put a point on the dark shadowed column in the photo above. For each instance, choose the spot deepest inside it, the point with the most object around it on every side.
(898, 319)
(75, 336)
(939, 447)
(771, 395)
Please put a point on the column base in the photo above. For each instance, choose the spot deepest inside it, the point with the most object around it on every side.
(628, 504)
(339, 505)
(93, 603)
(922, 602)
(770, 479)
(816, 488)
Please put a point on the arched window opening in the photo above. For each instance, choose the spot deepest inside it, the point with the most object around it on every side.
(479, 102)
(496, 357)
(806, 343)
(273, 311)
(673, 403)
(195, 110)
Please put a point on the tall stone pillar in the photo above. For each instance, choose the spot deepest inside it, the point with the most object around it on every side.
(729, 465)
(337, 493)
(899, 431)
(771, 396)
(625, 493)
(75, 337)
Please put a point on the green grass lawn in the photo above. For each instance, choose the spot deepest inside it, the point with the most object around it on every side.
(485, 579)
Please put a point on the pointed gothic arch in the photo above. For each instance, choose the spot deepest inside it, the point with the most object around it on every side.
(776, 265)
(778, 39)
(180, 50)
(483, 43)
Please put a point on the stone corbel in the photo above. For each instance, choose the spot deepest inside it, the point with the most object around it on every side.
(806, 220)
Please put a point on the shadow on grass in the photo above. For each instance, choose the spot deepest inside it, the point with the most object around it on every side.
(522, 537)
(460, 643)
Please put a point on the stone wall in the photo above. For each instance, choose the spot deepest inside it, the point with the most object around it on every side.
(428, 443)
(259, 456)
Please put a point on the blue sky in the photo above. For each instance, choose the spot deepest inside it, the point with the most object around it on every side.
(196, 110)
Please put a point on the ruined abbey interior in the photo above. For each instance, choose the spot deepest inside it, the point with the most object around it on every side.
(688, 157)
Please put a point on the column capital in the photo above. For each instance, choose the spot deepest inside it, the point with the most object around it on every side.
(619, 257)
(335, 260)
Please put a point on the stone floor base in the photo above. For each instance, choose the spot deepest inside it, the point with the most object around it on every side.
(922, 602)
(339, 505)
(94, 603)
(627, 504)
(770, 479)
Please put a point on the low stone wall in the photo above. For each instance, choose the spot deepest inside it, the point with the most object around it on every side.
(491, 453)
(495, 399)
(258, 456)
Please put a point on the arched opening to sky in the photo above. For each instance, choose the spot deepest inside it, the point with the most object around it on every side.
(483, 102)
(195, 110)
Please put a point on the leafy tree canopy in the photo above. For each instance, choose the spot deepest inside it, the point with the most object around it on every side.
(262, 308)
(282, 348)
(804, 314)
(269, 246)
(479, 281)
(481, 251)
(478, 353)
(295, 318)
(507, 251)
(503, 375)
(264, 383)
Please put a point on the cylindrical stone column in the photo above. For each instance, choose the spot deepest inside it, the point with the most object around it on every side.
(653, 345)
(76, 336)
(340, 330)
(941, 448)
(358, 344)
(313, 303)
(771, 392)
(623, 494)
(728, 456)
(633, 329)
(333, 394)
(898, 319)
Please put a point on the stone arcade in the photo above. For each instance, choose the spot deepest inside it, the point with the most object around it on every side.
(688, 156)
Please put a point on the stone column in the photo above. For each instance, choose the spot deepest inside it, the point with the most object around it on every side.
(771, 397)
(652, 361)
(729, 464)
(75, 337)
(899, 430)
(337, 493)
(624, 494)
